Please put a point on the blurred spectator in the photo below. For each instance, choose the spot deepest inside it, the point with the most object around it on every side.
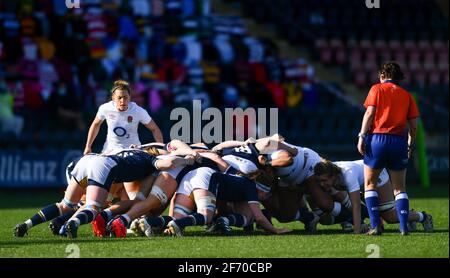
(67, 108)
(8, 121)
(173, 51)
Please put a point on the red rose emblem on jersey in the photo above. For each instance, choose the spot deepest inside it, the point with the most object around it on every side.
(130, 119)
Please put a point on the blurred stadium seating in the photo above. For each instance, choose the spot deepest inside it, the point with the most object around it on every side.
(55, 60)
(345, 34)
(171, 51)
(175, 51)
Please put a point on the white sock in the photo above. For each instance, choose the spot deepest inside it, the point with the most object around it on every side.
(421, 216)
(336, 209)
(29, 223)
(76, 220)
(347, 203)
(246, 222)
(127, 217)
(225, 219)
(108, 214)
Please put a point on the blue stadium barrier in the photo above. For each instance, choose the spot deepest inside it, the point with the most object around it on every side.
(35, 169)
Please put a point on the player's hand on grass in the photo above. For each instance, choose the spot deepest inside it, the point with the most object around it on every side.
(363, 229)
(280, 231)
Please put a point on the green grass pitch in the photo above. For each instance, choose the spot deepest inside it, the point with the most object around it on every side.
(329, 242)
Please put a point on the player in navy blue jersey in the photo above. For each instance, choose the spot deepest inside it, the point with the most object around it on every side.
(192, 192)
(244, 164)
(241, 191)
(156, 190)
(96, 173)
(163, 189)
(286, 201)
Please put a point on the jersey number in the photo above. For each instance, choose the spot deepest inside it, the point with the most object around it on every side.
(125, 153)
(243, 149)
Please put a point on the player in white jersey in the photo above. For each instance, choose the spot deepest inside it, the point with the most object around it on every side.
(162, 190)
(301, 175)
(207, 185)
(123, 118)
(243, 160)
(349, 176)
(301, 161)
(156, 191)
(192, 192)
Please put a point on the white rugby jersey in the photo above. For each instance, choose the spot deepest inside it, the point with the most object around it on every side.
(301, 169)
(172, 172)
(122, 125)
(353, 172)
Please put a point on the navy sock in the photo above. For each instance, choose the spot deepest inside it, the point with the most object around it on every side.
(304, 215)
(66, 216)
(45, 214)
(85, 216)
(105, 216)
(371, 197)
(402, 207)
(125, 220)
(195, 219)
(236, 220)
(159, 221)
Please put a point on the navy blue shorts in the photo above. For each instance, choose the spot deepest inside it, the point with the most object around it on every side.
(386, 151)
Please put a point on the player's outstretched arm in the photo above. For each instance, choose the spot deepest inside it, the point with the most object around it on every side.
(228, 144)
(263, 222)
(222, 164)
(355, 199)
(270, 145)
(173, 162)
(178, 147)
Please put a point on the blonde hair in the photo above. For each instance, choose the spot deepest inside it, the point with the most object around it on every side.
(121, 85)
(326, 167)
(152, 150)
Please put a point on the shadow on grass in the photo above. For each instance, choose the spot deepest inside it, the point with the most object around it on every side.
(15, 242)
(20, 242)
(295, 232)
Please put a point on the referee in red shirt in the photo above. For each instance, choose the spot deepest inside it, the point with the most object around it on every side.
(385, 141)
